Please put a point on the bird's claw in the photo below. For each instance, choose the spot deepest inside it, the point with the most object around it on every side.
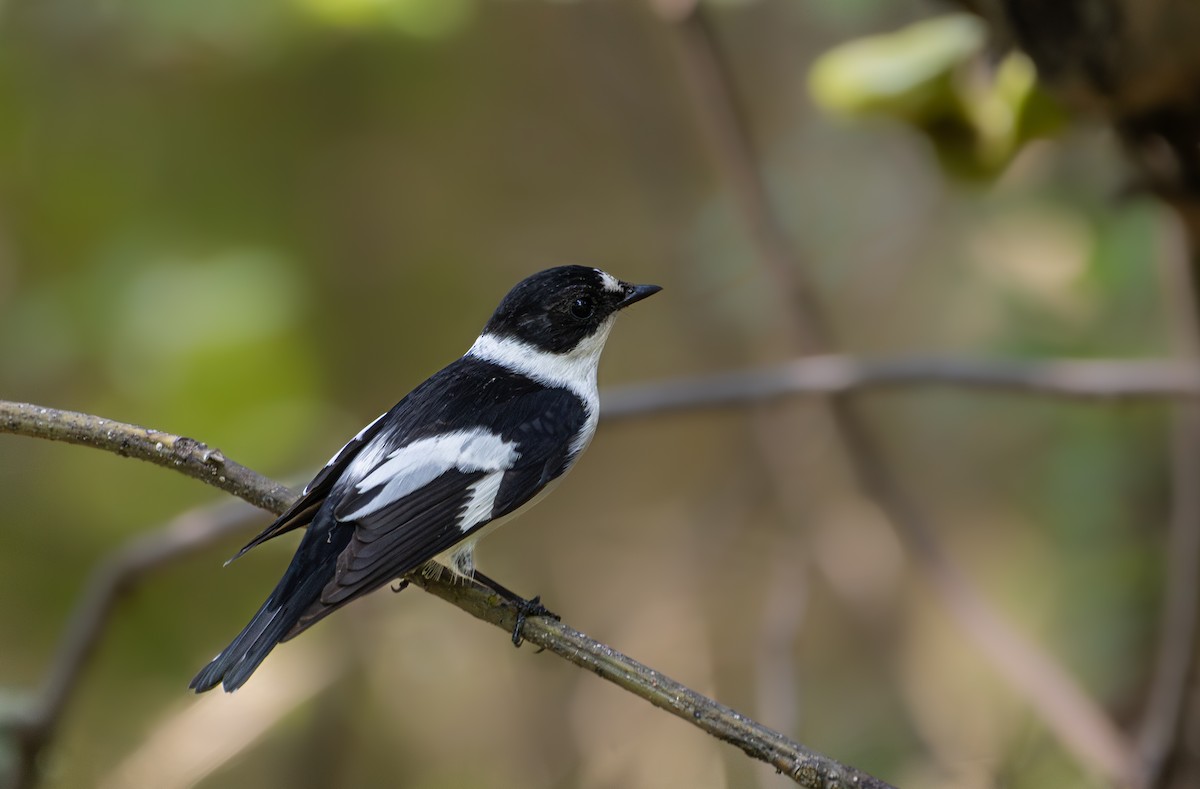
(525, 610)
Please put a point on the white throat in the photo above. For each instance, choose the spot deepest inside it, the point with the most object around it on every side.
(574, 370)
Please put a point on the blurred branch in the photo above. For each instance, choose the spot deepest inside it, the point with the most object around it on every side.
(114, 577)
(1092, 379)
(836, 375)
(720, 120)
(1134, 64)
(1179, 626)
(807, 768)
(1074, 717)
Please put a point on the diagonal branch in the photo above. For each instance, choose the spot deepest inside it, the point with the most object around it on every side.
(807, 768)
(803, 766)
(1072, 715)
(110, 580)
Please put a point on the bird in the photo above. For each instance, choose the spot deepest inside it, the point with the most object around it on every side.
(475, 444)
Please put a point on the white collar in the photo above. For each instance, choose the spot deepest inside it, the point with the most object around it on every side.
(574, 370)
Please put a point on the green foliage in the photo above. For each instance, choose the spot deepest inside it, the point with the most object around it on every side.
(930, 75)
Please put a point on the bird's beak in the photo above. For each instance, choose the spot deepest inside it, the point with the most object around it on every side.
(635, 293)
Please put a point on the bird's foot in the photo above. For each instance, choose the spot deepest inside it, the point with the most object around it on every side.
(400, 586)
(525, 610)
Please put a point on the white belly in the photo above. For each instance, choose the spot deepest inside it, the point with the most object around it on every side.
(460, 559)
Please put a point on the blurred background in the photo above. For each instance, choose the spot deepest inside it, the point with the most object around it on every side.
(260, 224)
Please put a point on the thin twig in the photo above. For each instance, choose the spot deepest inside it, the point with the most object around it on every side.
(721, 121)
(1074, 717)
(807, 768)
(1102, 380)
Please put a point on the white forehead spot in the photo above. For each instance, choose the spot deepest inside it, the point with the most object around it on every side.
(611, 283)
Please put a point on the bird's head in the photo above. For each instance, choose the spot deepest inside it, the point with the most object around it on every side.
(568, 309)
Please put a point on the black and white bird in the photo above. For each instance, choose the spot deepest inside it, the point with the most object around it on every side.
(468, 448)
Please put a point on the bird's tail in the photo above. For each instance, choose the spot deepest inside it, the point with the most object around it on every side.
(297, 593)
(234, 665)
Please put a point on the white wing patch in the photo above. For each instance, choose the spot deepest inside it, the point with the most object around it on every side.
(483, 499)
(337, 455)
(409, 468)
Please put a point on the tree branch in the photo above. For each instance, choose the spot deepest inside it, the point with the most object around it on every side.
(1175, 668)
(807, 768)
(123, 569)
(185, 455)
(1100, 380)
(1073, 716)
(1103, 380)
(803, 766)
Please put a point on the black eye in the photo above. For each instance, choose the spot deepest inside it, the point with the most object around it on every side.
(582, 308)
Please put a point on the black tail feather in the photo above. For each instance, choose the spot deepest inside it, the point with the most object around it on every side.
(238, 660)
(298, 591)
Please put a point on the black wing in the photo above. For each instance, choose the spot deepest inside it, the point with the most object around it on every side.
(396, 528)
(304, 509)
(400, 535)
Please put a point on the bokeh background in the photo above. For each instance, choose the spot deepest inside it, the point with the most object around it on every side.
(259, 224)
